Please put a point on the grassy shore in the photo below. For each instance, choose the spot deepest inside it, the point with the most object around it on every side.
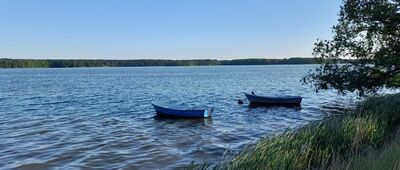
(351, 139)
(386, 157)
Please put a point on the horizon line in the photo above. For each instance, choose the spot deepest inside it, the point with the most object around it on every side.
(150, 58)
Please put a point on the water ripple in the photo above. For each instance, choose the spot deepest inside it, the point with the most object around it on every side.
(102, 118)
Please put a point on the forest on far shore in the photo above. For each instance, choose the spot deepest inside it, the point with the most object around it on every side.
(59, 63)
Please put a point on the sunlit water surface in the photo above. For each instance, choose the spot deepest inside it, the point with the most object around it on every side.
(102, 117)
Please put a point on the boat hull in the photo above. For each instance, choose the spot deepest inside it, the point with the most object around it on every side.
(184, 113)
(263, 100)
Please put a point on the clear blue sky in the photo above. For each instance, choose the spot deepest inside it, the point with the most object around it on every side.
(170, 29)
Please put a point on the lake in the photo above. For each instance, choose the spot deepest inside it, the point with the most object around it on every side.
(102, 117)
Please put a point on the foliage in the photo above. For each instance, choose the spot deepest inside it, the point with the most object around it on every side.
(19, 63)
(387, 157)
(317, 145)
(268, 61)
(367, 37)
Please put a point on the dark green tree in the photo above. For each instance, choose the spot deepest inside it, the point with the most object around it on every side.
(364, 54)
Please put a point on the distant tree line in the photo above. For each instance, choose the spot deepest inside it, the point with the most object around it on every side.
(268, 61)
(60, 63)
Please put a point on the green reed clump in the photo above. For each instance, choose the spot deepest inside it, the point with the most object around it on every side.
(319, 144)
(386, 107)
(386, 157)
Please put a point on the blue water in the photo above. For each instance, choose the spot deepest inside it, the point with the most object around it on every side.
(102, 117)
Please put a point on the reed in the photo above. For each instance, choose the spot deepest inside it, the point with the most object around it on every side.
(331, 142)
(386, 157)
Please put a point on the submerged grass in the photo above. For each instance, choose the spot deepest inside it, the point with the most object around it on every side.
(320, 144)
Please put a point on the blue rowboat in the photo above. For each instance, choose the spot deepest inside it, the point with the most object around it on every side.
(267, 100)
(180, 111)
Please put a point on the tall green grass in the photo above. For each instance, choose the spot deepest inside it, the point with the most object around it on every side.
(320, 144)
(387, 157)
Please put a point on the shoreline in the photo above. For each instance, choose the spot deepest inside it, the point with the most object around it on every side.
(5, 68)
(366, 135)
(71, 63)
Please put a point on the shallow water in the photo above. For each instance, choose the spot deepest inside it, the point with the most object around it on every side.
(102, 117)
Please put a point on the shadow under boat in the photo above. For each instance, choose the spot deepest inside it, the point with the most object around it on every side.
(267, 101)
(183, 120)
(293, 106)
(162, 116)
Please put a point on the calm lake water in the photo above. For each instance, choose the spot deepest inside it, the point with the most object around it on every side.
(102, 117)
